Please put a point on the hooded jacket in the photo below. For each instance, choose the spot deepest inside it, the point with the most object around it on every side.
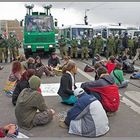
(108, 91)
(87, 117)
(29, 101)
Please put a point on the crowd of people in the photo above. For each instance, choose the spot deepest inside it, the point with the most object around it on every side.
(91, 103)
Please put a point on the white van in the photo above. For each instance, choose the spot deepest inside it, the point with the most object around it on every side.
(134, 32)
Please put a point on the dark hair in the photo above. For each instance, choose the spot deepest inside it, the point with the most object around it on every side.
(16, 66)
(118, 65)
(70, 65)
(97, 65)
(112, 59)
(38, 58)
(101, 70)
(27, 74)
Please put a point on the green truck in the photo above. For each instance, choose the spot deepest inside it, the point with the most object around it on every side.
(39, 32)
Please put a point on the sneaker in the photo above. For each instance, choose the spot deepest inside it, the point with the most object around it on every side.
(62, 124)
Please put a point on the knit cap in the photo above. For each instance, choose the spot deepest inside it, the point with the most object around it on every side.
(78, 91)
(34, 82)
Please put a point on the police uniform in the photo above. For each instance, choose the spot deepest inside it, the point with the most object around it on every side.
(110, 46)
(2, 49)
(98, 44)
(84, 45)
(130, 46)
(117, 42)
(62, 45)
(74, 45)
(12, 47)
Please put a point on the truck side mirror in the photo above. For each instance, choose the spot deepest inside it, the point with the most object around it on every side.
(21, 23)
(55, 23)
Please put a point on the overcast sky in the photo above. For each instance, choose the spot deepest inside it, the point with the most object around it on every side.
(69, 13)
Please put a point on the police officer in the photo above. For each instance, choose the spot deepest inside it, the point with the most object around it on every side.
(62, 46)
(2, 49)
(12, 46)
(110, 45)
(130, 45)
(98, 44)
(84, 45)
(137, 51)
(135, 42)
(125, 44)
(74, 45)
(93, 49)
(117, 42)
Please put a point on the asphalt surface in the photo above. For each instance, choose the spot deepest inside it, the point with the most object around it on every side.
(126, 122)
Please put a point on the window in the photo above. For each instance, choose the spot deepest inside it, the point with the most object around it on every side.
(39, 24)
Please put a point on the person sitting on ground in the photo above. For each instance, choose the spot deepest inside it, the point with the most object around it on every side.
(110, 65)
(21, 58)
(104, 89)
(40, 68)
(135, 75)
(16, 71)
(117, 74)
(87, 117)
(22, 84)
(30, 63)
(67, 83)
(65, 61)
(53, 61)
(31, 110)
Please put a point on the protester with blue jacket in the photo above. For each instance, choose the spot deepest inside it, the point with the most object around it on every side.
(87, 117)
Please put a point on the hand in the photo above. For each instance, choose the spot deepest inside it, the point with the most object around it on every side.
(53, 112)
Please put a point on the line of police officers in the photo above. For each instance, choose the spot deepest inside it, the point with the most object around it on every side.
(115, 45)
(9, 45)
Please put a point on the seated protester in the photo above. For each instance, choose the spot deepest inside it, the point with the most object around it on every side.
(40, 68)
(31, 110)
(87, 117)
(135, 76)
(53, 60)
(110, 65)
(104, 89)
(16, 71)
(22, 84)
(117, 74)
(67, 84)
(96, 66)
(30, 64)
(65, 61)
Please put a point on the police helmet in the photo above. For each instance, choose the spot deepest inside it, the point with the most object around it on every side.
(99, 34)
(116, 35)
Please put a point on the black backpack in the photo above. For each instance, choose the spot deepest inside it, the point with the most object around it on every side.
(128, 67)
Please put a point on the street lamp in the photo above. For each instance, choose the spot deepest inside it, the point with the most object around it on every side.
(29, 8)
(85, 18)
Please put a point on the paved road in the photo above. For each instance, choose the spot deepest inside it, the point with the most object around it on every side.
(126, 122)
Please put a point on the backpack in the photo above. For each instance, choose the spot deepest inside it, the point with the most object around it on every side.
(88, 69)
(128, 67)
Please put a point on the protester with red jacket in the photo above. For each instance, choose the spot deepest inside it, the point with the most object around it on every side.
(110, 65)
(104, 89)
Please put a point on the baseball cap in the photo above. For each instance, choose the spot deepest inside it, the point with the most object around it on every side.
(78, 91)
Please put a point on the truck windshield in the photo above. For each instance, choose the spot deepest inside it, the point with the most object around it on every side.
(79, 32)
(39, 24)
